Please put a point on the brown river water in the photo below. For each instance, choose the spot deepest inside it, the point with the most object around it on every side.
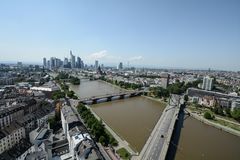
(134, 119)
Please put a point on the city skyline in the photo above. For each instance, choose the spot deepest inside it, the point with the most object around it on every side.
(187, 35)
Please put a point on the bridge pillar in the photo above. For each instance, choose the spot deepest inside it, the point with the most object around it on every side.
(122, 96)
(109, 98)
(132, 95)
(94, 101)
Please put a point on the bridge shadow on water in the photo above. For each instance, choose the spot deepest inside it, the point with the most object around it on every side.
(174, 144)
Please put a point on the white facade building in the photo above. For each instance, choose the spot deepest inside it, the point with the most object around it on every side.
(207, 83)
(9, 136)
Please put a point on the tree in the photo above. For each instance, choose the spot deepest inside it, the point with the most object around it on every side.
(228, 112)
(236, 113)
(208, 115)
(220, 111)
(74, 80)
(57, 95)
(102, 140)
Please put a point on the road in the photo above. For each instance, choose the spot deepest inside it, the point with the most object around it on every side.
(154, 147)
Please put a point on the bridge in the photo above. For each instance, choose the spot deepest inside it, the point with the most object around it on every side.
(110, 97)
(157, 145)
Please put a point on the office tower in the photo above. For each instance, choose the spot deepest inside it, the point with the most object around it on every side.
(96, 64)
(164, 80)
(44, 62)
(65, 63)
(120, 66)
(52, 62)
(73, 61)
(48, 64)
(82, 64)
(207, 83)
(78, 62)
(58, 62)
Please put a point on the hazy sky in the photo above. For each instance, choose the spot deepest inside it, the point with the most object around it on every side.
(180, 33)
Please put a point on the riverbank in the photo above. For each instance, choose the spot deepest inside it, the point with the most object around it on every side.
(212, 123)
(122, 143)
(155, 99)
(114, 85)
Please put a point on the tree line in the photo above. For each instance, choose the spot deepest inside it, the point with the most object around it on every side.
(96, 127)
(66, 76)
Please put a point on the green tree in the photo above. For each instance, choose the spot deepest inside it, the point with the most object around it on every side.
(208, 115)
(102, 140)
(236, 114)
(228, 112)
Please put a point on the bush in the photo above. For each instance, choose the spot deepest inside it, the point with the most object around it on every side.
(74, 80)
(236, 114)
(123, 153)
(208, 115)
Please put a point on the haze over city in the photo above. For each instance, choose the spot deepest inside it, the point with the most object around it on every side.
(172, 34)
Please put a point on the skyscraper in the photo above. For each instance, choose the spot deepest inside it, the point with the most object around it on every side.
(48, 64)
(96, 64)
(52, 62)
(73, 61)
(120, 66)
(44, 62)
(65, 63)
(78, 62)
(82, 64)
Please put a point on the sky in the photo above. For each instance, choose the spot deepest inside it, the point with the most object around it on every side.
(193, 34)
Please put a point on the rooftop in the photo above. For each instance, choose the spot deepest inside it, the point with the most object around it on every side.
(16, 151)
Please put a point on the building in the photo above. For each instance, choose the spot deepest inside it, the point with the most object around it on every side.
(96, 64)
(65, 62)
(19, 151)
(48, 64)
(44, 62)
(47, 87)
(207, 83)
(164, 80)
(14, 112)
(52, 62)
(120, 66)
(82, 64)
(235, 104)
(80, 144)
(69, 119)
(73, 61)
(78, 62)
(19, 64)
(11, 135)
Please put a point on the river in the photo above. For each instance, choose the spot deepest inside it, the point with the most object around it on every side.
(134, 118)
(94, 88)
(198, 141)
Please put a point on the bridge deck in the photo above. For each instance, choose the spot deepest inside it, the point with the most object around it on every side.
(110, 95)
(157, 145)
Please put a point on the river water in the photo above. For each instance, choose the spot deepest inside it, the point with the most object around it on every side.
(199, 141)
(94, 88)
(134, 119)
